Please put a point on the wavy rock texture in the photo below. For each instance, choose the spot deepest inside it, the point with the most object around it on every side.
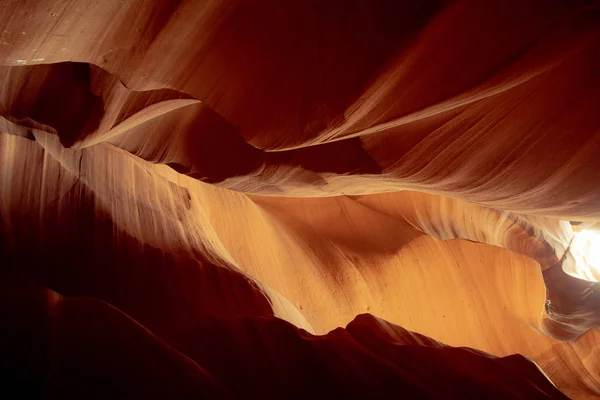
(197, 196)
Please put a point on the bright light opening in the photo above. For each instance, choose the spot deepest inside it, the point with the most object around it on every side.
(585, 249)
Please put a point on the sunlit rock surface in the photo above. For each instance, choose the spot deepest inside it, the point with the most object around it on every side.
(196, 197)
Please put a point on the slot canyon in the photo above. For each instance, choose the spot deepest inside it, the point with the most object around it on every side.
(300, 199)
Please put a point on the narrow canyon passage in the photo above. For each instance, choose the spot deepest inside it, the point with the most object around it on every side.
(291, 199)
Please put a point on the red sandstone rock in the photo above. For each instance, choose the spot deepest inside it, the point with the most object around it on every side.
(195, 195)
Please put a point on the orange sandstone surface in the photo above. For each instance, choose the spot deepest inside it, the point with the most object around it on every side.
(292, 199)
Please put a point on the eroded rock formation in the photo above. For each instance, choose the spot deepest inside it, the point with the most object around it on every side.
(196, 197)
